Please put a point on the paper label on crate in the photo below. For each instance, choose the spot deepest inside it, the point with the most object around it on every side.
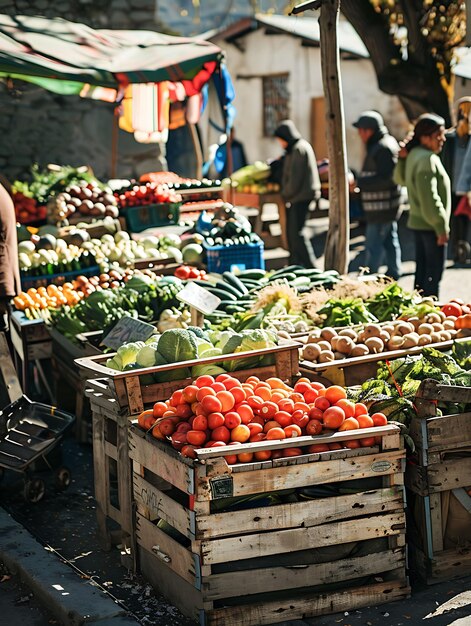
(222, 487)
(126, 330)
(381, 466)
(199, 298)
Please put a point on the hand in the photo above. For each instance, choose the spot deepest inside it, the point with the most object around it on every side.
(442, 240)
(402, 154)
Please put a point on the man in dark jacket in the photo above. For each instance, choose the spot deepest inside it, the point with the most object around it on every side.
(380, 196)
(300, 185)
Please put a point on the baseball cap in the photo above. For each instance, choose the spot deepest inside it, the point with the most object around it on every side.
(369, 119)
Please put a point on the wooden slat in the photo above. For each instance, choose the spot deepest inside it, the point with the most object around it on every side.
(272, 479)
(234, 584)
(436, 523)
(432, 390)
(164, 465)
(443, 433)
(165, 549)
(449, 474)
(133, 389)
(299, 514)
(153, 503)
(310, 605)
(101, 478)
(279, 444)
(124, 480)
(263, 544)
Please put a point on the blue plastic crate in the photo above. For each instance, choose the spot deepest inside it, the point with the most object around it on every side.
(248, 256)
(58, 279)
(139, 218)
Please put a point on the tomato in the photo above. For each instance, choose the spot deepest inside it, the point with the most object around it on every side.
(193, 273)
(183, 272)
(452, 308)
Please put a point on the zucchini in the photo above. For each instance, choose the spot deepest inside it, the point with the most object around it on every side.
(287, 270)
(310, 272)
(221, 294)
(252, 275)
(301, 281)
(235, 308)
(252, 283)
(235, 283)
(289, 277)
(226, 287)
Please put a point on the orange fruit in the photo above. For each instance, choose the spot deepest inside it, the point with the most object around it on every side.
(353, 443)
(253, 380)
(276, 433)
(189, 394)
(231, 382)
(316, 414)
(335, 446)
(231, 459)
(239, 394)
(232, 419)
(365, 421)
(227, 400)
(277, 383)
(184, 411)
(203, 392)
(350, 423)
(240, 433)
(286, 405)
(311, 395)
(245, 457)
(302, 406)
(269, 409)
(255, 428)
(263, 392)
(348, 407)
(156, 433)
(144, 415)
(263, 455)
(379, 419)
(166, 427)
(297, 397)
(283, 418)
(200, 422)
(335, 393)
(321, 403)
(196, 437)
(300, 418)
(360, 409)
(215, 420)
(211, 404)
(318, 447)
(221, 433)
(292, 452)
(257, 437)
(334, 417)
(204, 381)
(245, 412)
(313, 427)
(218, 387)
(270, 424)
(367, 442)
(292, 431)
(302, 387)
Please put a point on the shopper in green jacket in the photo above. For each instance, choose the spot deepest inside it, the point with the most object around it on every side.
(428, 186)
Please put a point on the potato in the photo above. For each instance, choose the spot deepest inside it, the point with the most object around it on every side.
(324, 345)
(425, 329)
(325, 356)
(424, 340)
(344, 345)
(360, 350)
(395, 343)
(311, 352)
(372, 330)
(327, 333)
(348, 332)
(411, 340)
(374, 345)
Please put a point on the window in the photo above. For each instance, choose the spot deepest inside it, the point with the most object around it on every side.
(275, 102)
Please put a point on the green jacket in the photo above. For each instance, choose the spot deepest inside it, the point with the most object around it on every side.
(428, 188)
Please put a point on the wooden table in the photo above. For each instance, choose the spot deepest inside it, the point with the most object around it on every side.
(257, 201)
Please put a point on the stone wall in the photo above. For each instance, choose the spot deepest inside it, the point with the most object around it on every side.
(38, 126)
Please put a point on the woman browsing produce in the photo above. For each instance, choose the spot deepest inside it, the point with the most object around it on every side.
(428, 185)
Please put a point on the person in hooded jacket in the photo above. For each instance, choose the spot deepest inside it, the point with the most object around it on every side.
(300, 185)
(380, 195)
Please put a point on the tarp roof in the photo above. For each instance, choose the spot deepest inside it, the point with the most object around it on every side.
(306, 28)
(63, 56)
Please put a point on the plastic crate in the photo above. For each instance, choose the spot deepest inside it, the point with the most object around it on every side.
(58, 279)
(139, 218)
(247, 256)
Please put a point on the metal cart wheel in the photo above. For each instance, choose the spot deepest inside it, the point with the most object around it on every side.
(463, 252)
(63, 478)
(34, 489)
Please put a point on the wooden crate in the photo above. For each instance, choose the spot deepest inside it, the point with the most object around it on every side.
(354, 371)
(110, 421)
(112, 469)
(133, 395)
(295, 559)
(440, 470)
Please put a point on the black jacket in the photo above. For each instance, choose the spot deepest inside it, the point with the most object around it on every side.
(380, 196)
(300, 179)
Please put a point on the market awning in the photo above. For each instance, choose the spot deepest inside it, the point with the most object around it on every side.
(63, 56)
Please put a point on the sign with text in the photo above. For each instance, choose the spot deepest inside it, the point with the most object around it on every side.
(199, 298)
(128, 329)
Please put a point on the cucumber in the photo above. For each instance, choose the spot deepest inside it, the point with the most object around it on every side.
(252, 283)
(288, 277)
(235, 283)
(252, 275)
(310, 272)
(301, 281)
(221, 294)
(235, 308)
(226, 287)
(286, 270)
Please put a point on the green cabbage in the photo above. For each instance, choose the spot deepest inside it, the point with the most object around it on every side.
(146, 355)
(178, 344)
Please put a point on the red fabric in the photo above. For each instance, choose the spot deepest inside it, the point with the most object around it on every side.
(463, 208)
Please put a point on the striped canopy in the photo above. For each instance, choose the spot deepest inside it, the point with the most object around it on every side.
(64, 56)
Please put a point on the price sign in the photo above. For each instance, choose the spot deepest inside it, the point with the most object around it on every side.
(198, 298)
(128, 329)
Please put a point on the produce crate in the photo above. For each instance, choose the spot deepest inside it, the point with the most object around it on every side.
(117, 398)
(354, 371)
(139, 218)
(96, 229)
(57, 279)
(133, 394)
(438, 478)
(112, 469)
(327, 533)
(221, 259)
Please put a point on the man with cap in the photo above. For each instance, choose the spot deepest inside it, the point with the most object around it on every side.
(300, 185)
(380, 196)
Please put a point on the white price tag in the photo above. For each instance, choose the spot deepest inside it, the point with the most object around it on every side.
(198, 298)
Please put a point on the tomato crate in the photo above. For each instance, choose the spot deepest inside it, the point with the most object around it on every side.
(438, 479)
(264, 542)
(355, 370)
(133, 392)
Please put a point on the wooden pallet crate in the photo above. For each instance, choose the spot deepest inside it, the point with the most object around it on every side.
(111, 415)
(341, 550)
(438, 478)
(355, 370)
(133, 394)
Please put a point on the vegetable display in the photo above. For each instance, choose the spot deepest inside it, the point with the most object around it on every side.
(214, 412)
(85, 199)
(147, 193)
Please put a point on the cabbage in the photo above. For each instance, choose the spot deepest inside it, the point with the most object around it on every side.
(203, 370)
(128, 353)
(146, 355)
(256, 339)
(204, 346)
(178, 344)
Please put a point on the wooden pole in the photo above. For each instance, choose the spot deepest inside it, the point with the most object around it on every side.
(114, 144)
(337, 243)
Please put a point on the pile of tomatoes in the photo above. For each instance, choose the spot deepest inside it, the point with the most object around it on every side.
(147, 193)
(187, 272)
(222, 411)
(27, 209)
